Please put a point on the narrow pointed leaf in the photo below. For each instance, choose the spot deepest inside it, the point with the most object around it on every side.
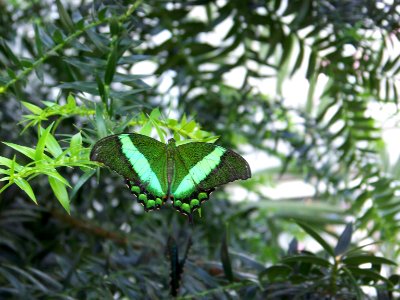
(29, 152)
(317, 237)
(344, 240)
(60, 191)
(111, 65)
(225, 259)
(26, 187)
(64, 17)
(41, 144)
(52, 145)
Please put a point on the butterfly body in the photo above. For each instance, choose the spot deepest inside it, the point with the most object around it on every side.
(156, 172)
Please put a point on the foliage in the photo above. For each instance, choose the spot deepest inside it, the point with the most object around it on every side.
(67, 82)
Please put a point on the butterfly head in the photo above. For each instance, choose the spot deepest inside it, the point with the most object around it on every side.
(171, 142)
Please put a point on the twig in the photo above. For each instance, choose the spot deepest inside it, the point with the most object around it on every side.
(91, 228)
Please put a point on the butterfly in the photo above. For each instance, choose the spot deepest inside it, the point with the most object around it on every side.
(156, 172)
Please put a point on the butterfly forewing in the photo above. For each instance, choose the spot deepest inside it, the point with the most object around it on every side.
(141, 160)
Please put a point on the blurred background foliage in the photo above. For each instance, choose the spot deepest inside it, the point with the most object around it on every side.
(69, 77)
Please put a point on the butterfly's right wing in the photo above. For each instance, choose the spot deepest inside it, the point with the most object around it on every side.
(141, 160)
(199, 168)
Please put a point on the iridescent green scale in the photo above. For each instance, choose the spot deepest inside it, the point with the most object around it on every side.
(156, 172)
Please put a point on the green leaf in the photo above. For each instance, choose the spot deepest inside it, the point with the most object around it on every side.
(58, 37)
(276, 273)
(111, 65)
(64, 17)
(29, 152)
(344, 240)
(71, 102)
(38, 41)
(33, 108)
(51, 144)
(146, 129)
(51, 172)
(225, 259)
(76, 144)
(85, 177)
(9, 53)
(317, 237)
(42, 143)
(26, 187)
(100, 122)
(60, 191)
(310, 259)
(369, 274)
(5, 161)
(311, 65)
(363, 259)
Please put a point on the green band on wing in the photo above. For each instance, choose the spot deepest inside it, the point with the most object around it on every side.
(199, 172)
(140, 164)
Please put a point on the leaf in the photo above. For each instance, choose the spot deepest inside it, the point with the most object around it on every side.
(225, 259)
(100, 122)
(82, 180)
(60, 191)
(64, 17)
(33, 108)
(146, 129)
(5, 161)
(38, 41)
(369, 274)
(51, 144)
(58, 37)
(311, 65)
(176, 271)
(111, 65)
(26, 187)
(276, 273)
(310, 259)
(317, 237)
(363, 259)
(344, 240)
(51, 172)
(9, 53)
(29, 152)
(39, 152)
(293, 247)
(75, 144)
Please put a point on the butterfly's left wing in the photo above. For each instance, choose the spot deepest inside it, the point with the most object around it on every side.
(199, 168)
(141, 160)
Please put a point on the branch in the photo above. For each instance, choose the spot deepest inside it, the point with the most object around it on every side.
(87, 227)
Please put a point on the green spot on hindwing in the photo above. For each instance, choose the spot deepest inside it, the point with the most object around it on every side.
(135, 189)
(186, 208)
(194, 203)
(142, 198)
(150, 204)
(202, 196)
(177, 203)
(159, 202)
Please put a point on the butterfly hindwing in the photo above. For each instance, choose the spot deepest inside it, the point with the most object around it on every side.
(199, 168)
(141, 160)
